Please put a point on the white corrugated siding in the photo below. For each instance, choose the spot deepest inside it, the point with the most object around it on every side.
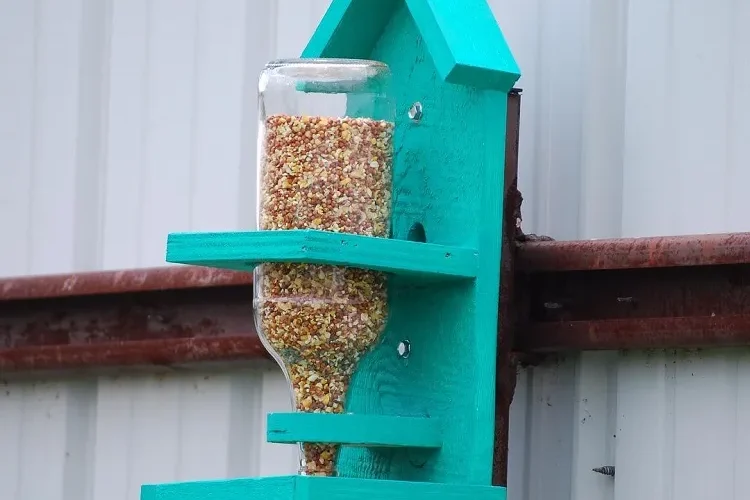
(634, 123)
(123, 120)
(100, 438)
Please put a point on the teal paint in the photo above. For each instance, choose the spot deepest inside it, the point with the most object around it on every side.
(464, 41)
(269, 488)
(243, 251)
(448, 180)
(316, 488)
(477, 56)
(372, 431)
(350, 28)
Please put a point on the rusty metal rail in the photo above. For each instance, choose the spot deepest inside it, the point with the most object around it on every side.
(579, 295)
(165, 316)
(668, 292)
(634, 253)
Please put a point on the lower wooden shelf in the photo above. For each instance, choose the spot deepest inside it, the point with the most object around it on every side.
(372, 431)
(318, 488)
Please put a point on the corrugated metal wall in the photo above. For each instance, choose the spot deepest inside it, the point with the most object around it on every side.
(100, 438)
(123, 120)
(635, 116)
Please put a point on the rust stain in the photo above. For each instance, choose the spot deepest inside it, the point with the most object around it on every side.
(109, 282)
(634, 253)
(656, 307)
(506, 364)
(163, 352)
(639, 333)
(169, 326)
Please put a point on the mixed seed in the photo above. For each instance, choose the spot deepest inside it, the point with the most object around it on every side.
(332, 174)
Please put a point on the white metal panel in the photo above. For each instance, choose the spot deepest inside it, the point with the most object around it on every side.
(159, 98)
(100, 438)
(124, 120)
(663, 95)
(671, 423)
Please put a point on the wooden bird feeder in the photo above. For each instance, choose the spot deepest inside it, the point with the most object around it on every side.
(392, 353)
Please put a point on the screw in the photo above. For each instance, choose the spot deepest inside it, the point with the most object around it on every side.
(607, 470)
(415, 112)
(404, 348)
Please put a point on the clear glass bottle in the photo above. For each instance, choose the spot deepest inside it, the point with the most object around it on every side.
(325, 158)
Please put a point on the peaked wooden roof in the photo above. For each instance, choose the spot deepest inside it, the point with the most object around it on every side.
(463, 38)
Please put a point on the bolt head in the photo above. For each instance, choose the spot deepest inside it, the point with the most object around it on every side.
(415, 112)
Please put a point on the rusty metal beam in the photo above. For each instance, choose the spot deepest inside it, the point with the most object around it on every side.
(165, 316)
(634, 253)
(670, 292)
(119, 282)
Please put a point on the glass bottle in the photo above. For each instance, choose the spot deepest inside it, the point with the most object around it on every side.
(325, 159)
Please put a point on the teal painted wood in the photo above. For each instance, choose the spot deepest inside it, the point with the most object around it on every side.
(343, 31)
(267, 488)
(463, 39)
(466, 43)
(374, 431)
(448, 177)
(317, 488)
(243, 251)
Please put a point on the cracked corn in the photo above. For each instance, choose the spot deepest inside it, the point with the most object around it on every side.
(332, 174)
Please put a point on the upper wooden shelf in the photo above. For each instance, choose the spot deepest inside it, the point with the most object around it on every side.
(243, 251)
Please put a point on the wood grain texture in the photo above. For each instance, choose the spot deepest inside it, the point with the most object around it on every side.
(372, 431)
(316, 488)
(243, 251)
(448, 177)
(465, 42)
(342, 30)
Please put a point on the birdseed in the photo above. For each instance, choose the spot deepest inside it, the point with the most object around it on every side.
(331, 174)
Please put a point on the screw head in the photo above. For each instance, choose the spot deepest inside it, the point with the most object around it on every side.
(403, 349)
(415, 112)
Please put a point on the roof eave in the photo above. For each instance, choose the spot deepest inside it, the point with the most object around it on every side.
(479, 57)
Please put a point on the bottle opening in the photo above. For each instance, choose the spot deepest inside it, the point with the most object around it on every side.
(328, 70)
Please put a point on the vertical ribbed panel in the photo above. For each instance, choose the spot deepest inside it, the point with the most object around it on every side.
(636, 109)
(124, 120)
(100, 438)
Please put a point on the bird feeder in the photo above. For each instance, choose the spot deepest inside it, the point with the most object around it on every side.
(377, 254)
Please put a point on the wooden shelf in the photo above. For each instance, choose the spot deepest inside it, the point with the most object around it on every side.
(243, 251)
(371, 431)
(318, 488)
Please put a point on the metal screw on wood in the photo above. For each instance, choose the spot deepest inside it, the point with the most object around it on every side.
(404, 348)
(415, 112)
(607, 470)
